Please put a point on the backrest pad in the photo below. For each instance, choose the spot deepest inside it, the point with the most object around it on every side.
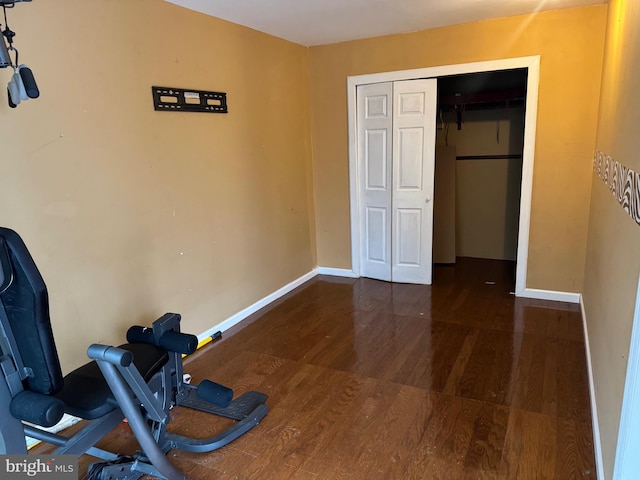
(24, 297)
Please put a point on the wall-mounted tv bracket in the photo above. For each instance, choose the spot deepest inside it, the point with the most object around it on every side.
(9, 3)
(181, 99)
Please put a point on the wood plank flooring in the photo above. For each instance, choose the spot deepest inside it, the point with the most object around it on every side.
(373, 380)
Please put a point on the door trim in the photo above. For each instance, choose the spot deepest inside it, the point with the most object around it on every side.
(627, 461)
(532, 64)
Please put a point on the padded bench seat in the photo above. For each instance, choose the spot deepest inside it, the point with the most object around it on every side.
(96, 398)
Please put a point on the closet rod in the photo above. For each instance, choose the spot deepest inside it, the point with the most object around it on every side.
(487, 157)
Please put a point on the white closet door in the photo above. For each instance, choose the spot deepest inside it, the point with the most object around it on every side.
(414, 138)
(396, 164)
(375, 116)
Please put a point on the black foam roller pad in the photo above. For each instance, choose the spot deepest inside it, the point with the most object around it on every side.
(172, 341)
(179, 342)
(215, 393)
(37, 408)
(29, 82)
(137, 334)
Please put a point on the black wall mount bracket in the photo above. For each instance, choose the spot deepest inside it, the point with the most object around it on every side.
(185, 100)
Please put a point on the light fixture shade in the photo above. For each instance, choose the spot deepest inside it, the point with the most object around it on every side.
(5, 59)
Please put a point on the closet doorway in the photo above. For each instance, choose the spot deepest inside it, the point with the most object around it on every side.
(479, 146)
(532, 66)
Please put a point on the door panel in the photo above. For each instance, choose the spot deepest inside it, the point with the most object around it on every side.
(374, 164)
(410, 166)
(376, 238)
(377, 105)
(411, 103)
(410, 227)
(414, 138)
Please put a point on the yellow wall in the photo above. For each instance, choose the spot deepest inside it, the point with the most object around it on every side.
(613, 247)
(570, 43)
(129, 212)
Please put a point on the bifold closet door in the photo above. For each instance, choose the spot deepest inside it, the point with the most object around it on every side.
(374, 122)
(396, 159)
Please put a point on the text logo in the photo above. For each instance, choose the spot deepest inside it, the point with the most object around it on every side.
(39, 467)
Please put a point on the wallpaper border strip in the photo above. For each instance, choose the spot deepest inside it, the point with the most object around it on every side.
(623, 183)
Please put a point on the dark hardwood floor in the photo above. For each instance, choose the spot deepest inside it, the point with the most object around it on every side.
(373, 380)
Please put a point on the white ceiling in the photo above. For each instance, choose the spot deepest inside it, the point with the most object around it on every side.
(319, 22)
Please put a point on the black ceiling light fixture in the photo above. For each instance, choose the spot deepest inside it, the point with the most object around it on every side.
(22, 85)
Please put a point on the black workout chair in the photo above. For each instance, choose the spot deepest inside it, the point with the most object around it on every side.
(140, 381)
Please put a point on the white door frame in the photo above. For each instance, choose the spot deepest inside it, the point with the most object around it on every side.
(532, 63)
(627, 461)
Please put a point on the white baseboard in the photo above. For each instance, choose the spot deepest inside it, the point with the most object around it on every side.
(238, 317)
(337, 272)
(552, 295)
(597, 444)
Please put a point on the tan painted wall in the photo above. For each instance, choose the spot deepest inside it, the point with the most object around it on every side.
(487, 191)
(613, 246)
(570, 43)
(130, 212)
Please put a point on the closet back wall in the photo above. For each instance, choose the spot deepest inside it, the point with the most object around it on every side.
(487, 190)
